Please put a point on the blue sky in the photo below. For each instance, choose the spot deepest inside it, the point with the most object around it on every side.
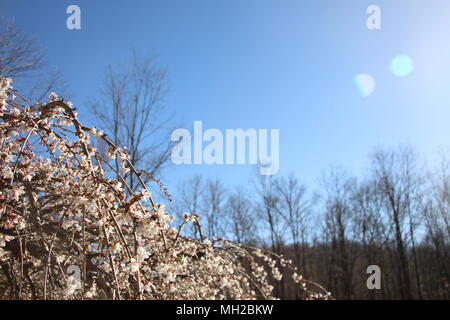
(281, 64)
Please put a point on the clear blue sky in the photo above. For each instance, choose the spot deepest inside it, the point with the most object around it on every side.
(285, 64)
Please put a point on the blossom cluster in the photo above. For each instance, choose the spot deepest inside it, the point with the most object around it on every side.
(64, 205)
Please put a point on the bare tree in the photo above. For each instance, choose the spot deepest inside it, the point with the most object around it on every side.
(189, 200)
(242, 223)
(339, 189)
(368, 222)
(133, 111)
(398, 184)
(436, 219)
(213, 208)
(22, 58)
(267, 208)
(19, 54)
(294, 208)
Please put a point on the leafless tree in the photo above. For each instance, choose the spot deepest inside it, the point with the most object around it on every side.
(398, 184)
(338, 218)
(188, 199)
(367, 219)
(242, 222)
(267, 208)
(435, 212)
(272, 225)
(133, 111)
(22, 58)
(295, 210)
(213, 207)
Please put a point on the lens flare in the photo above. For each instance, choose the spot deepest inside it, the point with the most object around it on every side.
(402, 65)
(365, 84)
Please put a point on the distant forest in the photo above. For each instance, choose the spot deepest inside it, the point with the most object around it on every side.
(395, 217)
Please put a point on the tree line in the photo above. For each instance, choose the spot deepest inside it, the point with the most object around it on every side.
(396, 217)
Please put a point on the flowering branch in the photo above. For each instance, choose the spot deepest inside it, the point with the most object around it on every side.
(61, 209)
